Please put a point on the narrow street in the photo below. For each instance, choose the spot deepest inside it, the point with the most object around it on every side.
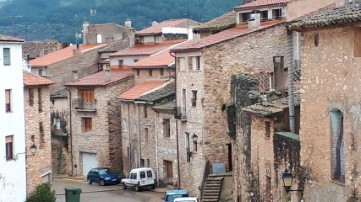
(111, 193)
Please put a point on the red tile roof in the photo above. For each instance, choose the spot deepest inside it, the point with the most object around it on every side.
(225, 35)
(157, 29)
(147, 48)
(261, 3)
(98, 79)
(35, 80)
(160, 60)
(141, 89)
(62, 54)
(10, 38)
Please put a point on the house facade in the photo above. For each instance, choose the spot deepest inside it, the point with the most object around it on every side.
(13, 150)
(37, 128)
(95, 134)
(330, 102)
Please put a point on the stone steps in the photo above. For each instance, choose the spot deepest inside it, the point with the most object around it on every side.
(212, 188)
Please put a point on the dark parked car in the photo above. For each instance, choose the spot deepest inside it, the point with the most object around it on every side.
(103, 176)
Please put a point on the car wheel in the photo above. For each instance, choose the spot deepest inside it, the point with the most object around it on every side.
(89, 181)
(137, 188)
(102, 183)
(153, 186)
(124, 185)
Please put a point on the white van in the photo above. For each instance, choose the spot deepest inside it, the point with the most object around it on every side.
(140, 177)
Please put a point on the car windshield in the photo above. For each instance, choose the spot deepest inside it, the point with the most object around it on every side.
(104, 171)
(173, 196)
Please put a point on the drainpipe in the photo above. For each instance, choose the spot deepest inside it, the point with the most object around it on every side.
(156, 145)
(176, 121)
(70, 135)
(129, 144)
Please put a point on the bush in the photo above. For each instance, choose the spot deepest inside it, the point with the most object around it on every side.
(42, 193)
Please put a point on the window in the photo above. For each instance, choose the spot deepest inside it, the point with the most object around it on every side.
(267, 128)
(31, 97)
(120, 63)
(188, 150)
(190, 63)
(87, 95)
(317, 40)
(133, 176)
(244, 17)
(138, 72)
(142, 173)
(264, 15)
(40, 72)
(9, 147)
(198, 62)
(338, 157)
(8, 100)
(135, 60)
(161, 72)
(99, 38)
(194, 98)
(166, 128)
(148, 164)
(6, 56)
(141, 162)
(277, 13)
(149, 173)
(41, 135)
(87, 124)
(181, 63)
(145, 111)
(150, 72)
(146, 135)
(40, 100)
(184, 93)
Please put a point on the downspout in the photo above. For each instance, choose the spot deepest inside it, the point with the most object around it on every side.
(129, 145)
(139, 141)
(70, 136)
(156, 145)
(176, 122)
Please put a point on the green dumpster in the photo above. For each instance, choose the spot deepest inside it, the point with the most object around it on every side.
(72, 194)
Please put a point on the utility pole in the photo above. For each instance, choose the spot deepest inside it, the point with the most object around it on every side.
(17, 16)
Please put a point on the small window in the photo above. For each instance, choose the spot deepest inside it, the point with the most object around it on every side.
(317, 40)
(40, 100)
(142, 174)
(150, 72)
(9, 146)
(277, 13)
(141, 162)
(145, 111)
(8, 101)
(40, 72)
(194, 98)
(146, 135)
(162, 72)
(149, 173)
(138, 72)
(120, 63)
(264, 15)
(6, 56)
(87, 124)
(133, 176)
(198, 62)
(244, 17)
(338, 148)
(166, 128)
(41, 135)
(135, 60)
(267, 129)
(188, 150)
(181, 62)
(31, 97)
(99, 38)
(190, 63)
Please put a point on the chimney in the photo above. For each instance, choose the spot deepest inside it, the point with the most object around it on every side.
(76, 51)
(255, 20)
(131, 37)
(75, 75)
(85, 31)
(154, 23)
(107, 73)
(128, 23)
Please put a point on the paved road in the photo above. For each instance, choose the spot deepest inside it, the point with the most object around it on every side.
(96, 193)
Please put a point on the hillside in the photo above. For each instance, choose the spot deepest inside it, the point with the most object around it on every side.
(60, 19)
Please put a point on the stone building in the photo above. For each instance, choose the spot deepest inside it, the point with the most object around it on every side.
(330, 106)
(95, 130)
(105, 33)
(35, 49)
(37, 130)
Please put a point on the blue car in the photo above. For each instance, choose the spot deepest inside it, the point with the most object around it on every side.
(102, 176)
(170, 195)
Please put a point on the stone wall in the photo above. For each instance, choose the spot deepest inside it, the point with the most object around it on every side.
(144, 74)
(39, 164)
(330, 80)
(105, 138)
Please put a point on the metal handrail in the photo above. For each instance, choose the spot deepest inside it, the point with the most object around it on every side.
(205, 176)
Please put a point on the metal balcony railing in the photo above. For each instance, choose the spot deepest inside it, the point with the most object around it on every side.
(180, 113)
(82, 105)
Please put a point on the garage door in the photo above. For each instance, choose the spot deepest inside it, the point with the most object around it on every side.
(89, 161)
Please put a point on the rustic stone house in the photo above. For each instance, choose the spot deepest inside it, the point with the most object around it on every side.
(95, 131)
(105, 33)
(330, 117)
(35, 49)
(37, 130)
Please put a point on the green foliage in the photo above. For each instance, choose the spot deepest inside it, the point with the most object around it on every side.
(42, 193)
(69, 14)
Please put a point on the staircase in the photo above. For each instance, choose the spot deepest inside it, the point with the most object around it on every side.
(212, 188)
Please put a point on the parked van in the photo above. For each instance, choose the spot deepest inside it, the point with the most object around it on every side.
(140, 177)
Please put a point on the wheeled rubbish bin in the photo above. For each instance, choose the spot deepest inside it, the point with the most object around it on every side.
(72, 194)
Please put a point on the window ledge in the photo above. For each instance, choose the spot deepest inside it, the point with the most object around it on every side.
(338, 182)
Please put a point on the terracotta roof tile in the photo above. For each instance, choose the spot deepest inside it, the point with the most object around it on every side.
(220, 23)
(35, 80)
(261, 3)
(10, 38)
(62, 54)
(330, 16)
(141, 89)
(160, 60)
(98, 79)
(157, 29)
(224, 36)
(147, 48)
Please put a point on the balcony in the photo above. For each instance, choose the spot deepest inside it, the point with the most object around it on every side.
(82, 105)
(180, 113)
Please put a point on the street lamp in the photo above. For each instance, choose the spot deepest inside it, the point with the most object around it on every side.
(287, 179)
(33, 149)
(195, 138)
